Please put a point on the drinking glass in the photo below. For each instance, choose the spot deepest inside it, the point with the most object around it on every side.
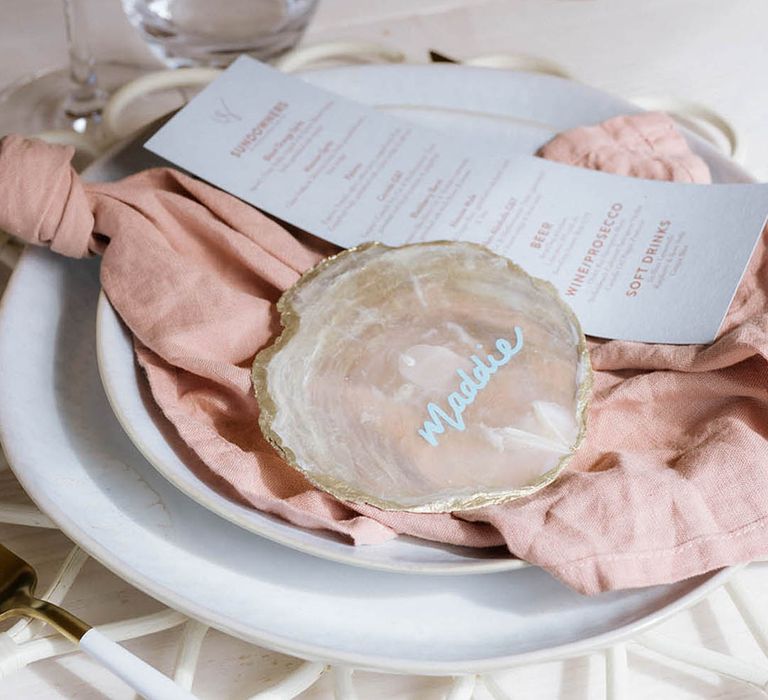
(69, 99)
(185, 33)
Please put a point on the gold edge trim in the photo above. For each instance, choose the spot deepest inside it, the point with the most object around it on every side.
(291, 320)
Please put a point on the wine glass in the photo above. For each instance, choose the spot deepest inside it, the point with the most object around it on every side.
(68, 100)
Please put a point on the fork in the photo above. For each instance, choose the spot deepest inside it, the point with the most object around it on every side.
(17, 599)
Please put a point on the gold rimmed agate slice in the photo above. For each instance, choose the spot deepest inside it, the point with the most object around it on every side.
(429, 377)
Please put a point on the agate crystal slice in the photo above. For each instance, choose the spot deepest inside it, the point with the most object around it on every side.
(430, 377)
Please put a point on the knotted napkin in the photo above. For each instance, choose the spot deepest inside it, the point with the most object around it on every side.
(672, 480)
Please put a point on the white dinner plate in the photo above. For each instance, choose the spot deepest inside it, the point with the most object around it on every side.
(75, 461)
(517, 110)
(128, 394)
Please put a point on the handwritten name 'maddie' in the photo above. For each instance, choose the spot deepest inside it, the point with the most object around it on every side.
(468, 389)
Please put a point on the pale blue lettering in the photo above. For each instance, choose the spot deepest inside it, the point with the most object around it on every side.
(468, 389)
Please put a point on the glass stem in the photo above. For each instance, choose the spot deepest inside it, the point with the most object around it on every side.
(85, 100)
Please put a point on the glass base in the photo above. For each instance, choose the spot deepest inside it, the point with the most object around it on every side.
(181, 55)
(39, 102)
(186, 33)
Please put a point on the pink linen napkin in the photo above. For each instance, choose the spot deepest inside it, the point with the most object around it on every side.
(646, 145)
(672, 479)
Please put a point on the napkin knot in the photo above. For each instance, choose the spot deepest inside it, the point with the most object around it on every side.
(43, 200)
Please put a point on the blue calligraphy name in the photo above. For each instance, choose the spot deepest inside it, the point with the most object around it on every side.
(468, 389)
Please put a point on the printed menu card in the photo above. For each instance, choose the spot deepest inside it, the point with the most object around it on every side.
(636, 259)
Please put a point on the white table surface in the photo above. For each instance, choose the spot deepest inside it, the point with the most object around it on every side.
(709, 51)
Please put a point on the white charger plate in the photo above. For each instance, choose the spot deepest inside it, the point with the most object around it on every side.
(518, 110)
(74, 460)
